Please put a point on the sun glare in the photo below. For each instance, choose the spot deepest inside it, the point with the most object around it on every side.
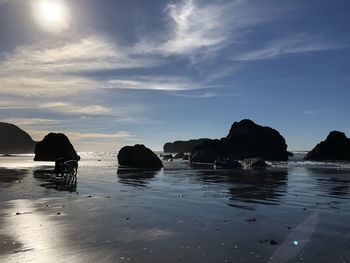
(51, 15)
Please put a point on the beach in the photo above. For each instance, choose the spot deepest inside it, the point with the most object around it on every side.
(291, 212)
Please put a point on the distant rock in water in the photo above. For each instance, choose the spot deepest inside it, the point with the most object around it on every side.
(14, 140)
(249, 140)
(53, 147)
(335, 148)
(139, 156)
(182, 146)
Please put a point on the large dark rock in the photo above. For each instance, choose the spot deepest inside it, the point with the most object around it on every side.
(182, 146)
(14, 140)
(53, 147)
(138, 156)
(248, 140)
(204, 156)
(335, 148)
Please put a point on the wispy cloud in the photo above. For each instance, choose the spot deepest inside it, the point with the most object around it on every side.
(166, 83)
(204, 95)
(32, 121)
(49, 69)
(70, 108)
(288, 46)
(79, 136)
(316, 112)
(203, 28)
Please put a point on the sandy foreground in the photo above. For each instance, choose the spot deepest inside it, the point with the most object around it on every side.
(178, 214)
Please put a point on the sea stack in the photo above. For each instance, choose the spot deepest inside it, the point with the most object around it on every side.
(336, 147)
(53, 147)
(247, 139)
(139, 156)
(14, 140)
(182, 146)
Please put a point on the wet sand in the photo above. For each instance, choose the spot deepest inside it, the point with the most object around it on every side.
(178, 214)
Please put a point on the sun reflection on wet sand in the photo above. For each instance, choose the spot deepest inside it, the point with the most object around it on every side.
(38, 235)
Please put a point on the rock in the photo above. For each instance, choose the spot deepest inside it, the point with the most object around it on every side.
(227, 163)
(252, 163)
(138, 156)
(53, 147)
(247, 140)
(336, 147)
(182, 146)
(204, 156)
(186, 157)
(14, 140)
(179, 155)
(167, 157)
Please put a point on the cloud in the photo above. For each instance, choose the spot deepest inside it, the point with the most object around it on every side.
(80, 136)
(3, 2)
(288, 46)
(50, 69)
(166, 83)
(196, 26)
(204, 95)
(200, 28)
(70, 108)
(316, 112)
(32, 121)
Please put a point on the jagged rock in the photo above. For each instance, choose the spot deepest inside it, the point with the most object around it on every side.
(186, 157)
(14, 140)
(139, 156)
(55, 146)
(182, 146)
(252, 163)
(335, 147)
(205, 156)
(227, 163)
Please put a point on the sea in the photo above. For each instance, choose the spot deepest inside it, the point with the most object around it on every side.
(295, 211)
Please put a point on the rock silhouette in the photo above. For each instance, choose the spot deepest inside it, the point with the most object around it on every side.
(14, 140)
(53, 147)
(139, 156)
(336, 147)
(204, 156)
(247, 139)
(182, 146)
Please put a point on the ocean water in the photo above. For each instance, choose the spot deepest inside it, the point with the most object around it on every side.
(295, 211)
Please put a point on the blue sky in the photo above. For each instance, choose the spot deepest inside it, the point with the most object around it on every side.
(113, 73)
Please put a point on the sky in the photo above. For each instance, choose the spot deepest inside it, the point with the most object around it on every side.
(110, 73)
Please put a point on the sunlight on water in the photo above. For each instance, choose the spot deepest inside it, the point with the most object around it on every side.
(182, 213)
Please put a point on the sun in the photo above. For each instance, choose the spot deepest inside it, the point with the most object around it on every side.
(51, 15)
